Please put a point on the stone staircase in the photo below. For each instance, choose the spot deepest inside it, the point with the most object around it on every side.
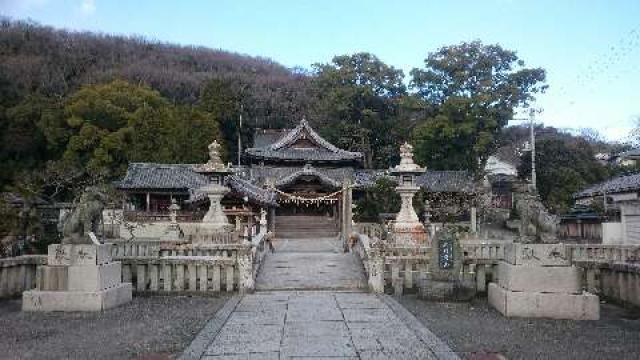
(305, 227)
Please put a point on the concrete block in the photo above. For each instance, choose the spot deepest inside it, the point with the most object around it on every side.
(36, 300)
(94, 278)
(536, 254)
(544, 305)
(551, 279)
(84, 254)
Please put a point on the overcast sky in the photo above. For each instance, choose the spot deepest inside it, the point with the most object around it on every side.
(590, 48)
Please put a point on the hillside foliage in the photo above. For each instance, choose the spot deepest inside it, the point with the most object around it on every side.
(78, 107)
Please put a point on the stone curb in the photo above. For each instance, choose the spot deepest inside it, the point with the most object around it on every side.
(198, 346)
(439, 349)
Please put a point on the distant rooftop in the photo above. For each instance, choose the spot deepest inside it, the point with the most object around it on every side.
(612, 186)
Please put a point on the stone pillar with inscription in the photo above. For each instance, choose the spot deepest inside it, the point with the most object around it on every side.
(78, 277)
(538, 280)
(407, 228)
(446, 279)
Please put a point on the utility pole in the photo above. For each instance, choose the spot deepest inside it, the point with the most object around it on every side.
(240, 134)
(533, 148)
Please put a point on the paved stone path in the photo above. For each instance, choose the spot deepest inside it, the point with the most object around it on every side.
(286, 324)
(310, 264)
(307, 324)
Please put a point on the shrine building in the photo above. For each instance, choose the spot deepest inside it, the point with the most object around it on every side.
(306, 184)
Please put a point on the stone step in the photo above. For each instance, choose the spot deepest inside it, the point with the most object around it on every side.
(304, 235)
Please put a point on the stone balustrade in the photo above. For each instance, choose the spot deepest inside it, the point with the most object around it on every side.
(372, 230)
(604, 253)
(161, 266)
(181, 273)
(611, 271)
(186, 267)
(123, 248)
(18, 274)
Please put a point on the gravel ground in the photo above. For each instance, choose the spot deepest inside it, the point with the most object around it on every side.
(476, 331)
(156, 327)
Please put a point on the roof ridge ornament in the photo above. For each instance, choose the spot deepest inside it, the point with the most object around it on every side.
(406, 161)
(215, 163)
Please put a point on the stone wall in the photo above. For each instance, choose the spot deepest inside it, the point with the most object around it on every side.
(18, 274)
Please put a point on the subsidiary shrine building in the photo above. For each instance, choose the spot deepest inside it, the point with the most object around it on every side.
(306, 184)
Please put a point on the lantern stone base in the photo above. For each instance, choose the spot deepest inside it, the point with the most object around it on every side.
(410, 234)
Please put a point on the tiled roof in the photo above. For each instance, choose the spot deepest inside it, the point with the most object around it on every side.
(181, 177)
(633, 153)
(266, 137)
(282, 149)
(366, 178)
(446, 181)
(431, 180)
(162, 176)
(612, 186)
(253, 193)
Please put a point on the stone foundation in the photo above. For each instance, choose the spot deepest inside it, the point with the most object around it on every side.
(537, 280)
(410, 234)
(544, 305)
(36, 300)
(551, 279)
(78, 278)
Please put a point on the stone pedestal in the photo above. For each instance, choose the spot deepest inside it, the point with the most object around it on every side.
(407, 228)
(78, 278)
(539, 281)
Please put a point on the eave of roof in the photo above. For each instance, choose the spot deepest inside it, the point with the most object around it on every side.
(181, 177)
(307, 171)
(616, 185)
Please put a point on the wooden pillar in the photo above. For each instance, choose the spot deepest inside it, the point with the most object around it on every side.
(271, 222)
(349, 210)
(474, 219)
(148, 201)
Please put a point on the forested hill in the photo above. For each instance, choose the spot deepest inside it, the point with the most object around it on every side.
(94, 102)
(77, 108)
(56, 62)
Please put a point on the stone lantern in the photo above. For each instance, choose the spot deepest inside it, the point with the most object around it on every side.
(173, 231)
(214, 220)
(407, 228)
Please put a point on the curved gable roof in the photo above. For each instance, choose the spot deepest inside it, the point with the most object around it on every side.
(284, 148)
(308, 171)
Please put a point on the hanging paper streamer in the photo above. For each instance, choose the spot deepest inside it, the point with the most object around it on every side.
(306, 201)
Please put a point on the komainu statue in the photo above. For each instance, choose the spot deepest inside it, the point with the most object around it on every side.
(537, 224)
(84, 218)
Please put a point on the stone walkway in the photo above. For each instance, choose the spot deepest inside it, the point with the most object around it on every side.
(289, 318)
(310, 264)
(308, 324)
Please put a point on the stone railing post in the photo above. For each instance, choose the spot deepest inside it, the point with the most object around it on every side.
(376, 271)
(245, 270)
